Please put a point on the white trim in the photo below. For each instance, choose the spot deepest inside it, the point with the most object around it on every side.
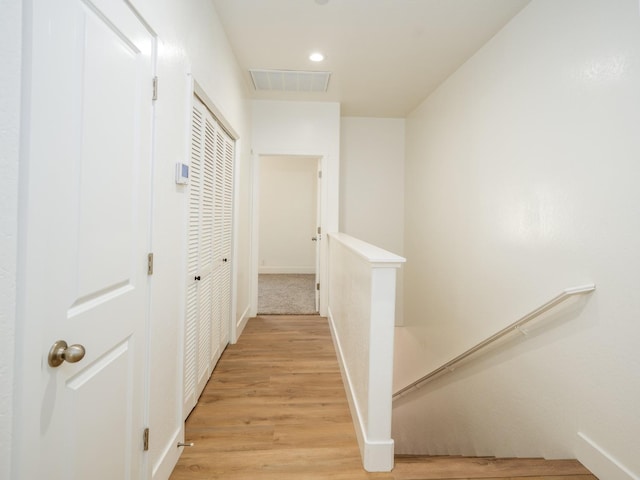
(240, 324)
(170, 455)
(148, 339)
(601, 463)
(255, 232)
(210, 104)
(377, 456)
(255, 220)
(378, 257)
(234, 334)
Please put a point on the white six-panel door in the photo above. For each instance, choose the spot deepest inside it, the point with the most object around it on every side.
(87, 233)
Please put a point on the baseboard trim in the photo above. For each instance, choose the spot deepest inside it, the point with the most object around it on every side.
(601, 463)
(240, 324)
(377, 456)
(287, 270)
(169, 457)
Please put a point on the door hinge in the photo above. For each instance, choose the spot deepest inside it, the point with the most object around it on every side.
(317, 286)
(319, 173)
(150, 264)
(155, 88)
(319, 230)
(145, 439)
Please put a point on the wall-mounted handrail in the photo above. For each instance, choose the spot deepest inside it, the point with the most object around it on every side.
(449, 366)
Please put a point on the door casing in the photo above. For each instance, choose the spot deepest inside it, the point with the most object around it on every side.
(255, 234)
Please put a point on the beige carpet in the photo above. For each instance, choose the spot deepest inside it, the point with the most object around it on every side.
(286, 294)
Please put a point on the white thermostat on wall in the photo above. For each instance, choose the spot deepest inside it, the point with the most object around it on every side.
(182, 174)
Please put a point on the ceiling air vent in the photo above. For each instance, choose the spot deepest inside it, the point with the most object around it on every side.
(290, 80)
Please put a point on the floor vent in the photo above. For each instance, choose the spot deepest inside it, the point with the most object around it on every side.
(290, 80)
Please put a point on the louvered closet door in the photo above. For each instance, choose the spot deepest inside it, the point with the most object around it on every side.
(200, 260)
(227, 232)
(216, 343)
(193, 251)
(207, 304)
(209, 251)
(222, 234)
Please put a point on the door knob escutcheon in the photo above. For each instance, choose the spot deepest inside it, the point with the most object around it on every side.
(61, 352)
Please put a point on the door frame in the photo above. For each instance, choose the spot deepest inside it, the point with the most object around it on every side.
(197, 90)
(255, 222)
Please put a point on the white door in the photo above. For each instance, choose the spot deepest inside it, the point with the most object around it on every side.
(194, 241)
(224, 183)
(87, 232)
(200, 302)
(208, 304)
(319, 232)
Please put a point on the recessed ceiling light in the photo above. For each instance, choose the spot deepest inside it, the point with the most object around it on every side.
(316, 57)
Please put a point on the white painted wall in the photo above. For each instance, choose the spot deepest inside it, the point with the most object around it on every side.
(10, 53)
(299, 128)
(288, 214)
(372, 185)
(302, 128)
(191, 40)
(521, 180)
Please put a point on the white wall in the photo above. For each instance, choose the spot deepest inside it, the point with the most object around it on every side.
(10, 53)
(521, 180)
(191, 40)
(372, 180)
(288, 214)
(307, 129)
(372, 185)
(302, 128)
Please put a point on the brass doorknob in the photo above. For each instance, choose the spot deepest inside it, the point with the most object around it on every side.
(61, 352)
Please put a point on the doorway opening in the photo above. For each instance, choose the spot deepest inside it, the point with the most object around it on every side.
(288, 220)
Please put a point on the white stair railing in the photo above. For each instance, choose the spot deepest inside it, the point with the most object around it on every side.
(515, 326)
(362, 294)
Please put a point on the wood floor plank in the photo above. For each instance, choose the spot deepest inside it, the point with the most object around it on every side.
(422, 468)
(275, 409)
(526, 477)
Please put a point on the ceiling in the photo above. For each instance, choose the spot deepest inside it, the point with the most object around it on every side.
(385, 56)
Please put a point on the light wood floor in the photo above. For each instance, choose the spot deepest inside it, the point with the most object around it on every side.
(275, 408)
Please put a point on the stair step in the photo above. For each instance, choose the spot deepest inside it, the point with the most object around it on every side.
(420, 467)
